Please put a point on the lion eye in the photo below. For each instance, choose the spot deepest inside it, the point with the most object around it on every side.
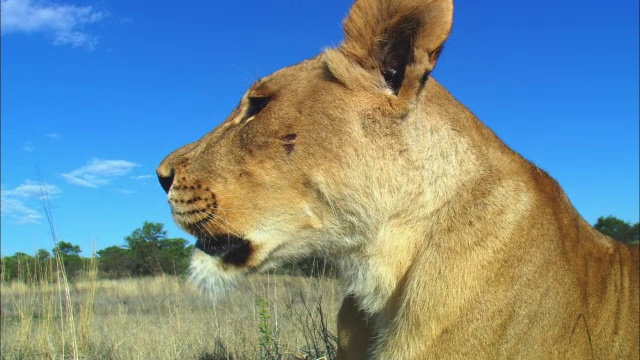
(256, 104)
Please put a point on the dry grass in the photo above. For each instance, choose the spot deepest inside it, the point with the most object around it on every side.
(269, 317)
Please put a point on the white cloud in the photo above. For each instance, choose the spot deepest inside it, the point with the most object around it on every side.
(18, 212)
(142, 177)
(91, 183)
(99, 172)
(32, 189)
(28, 147)
(64, 23)
(18, 204)
(53, 136)
(125, 191)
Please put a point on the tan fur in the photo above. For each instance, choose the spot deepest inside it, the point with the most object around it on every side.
(449, 244)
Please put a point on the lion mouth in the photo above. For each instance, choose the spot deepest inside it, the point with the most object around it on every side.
(231, 249)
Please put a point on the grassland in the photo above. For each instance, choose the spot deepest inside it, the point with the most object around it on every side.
(268, 317)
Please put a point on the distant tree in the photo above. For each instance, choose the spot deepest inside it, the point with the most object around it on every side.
(175, 255)
(116, 262)
(17, 267)
(70, 256)
(22, 256)
(153, 253)
(618, 229)
(66, 249)
(42, 255)
(144, 246)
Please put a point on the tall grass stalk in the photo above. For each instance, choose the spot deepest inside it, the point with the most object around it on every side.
(63, 281)
(87, 309)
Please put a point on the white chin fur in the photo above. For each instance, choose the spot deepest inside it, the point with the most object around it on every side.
(210, 275)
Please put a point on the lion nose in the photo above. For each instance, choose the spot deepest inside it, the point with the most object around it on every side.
(165, 177)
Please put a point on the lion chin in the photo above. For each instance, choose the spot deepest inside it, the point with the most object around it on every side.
(212, 275)
(217, 262)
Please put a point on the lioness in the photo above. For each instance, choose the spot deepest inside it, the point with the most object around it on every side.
(448, 243)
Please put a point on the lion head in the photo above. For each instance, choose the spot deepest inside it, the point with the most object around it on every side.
(320, 156)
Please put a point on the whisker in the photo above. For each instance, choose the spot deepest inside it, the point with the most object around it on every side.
(236, 210)
(220, 222)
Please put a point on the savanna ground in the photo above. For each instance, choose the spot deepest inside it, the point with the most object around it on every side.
(44, 316)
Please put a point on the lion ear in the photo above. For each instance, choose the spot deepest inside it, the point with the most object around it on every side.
(400, 39)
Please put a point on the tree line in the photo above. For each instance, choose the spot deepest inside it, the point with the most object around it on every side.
(147, 251)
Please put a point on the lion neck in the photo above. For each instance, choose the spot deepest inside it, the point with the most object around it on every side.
(452, 163)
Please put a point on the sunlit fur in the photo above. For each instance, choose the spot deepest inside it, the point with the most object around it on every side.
(449, 244)
(208, 274)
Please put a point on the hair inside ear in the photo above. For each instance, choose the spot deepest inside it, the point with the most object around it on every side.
(397, 50)
(398, 39)
(393, 78)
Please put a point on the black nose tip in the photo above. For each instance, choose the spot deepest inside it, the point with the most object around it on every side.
(166, 180)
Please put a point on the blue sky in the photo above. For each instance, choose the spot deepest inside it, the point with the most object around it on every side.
(96, 93)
